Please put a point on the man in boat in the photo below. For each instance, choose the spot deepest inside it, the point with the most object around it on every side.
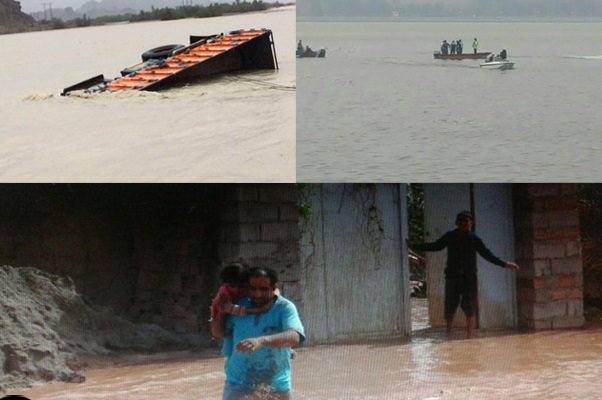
(475, 45)
(459, 46)
(261, 358)
(444, 47)
(461, 271)
(453, 47)
(503, 54)
(300, 46)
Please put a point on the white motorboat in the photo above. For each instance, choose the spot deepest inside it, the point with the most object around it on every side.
(498, 64)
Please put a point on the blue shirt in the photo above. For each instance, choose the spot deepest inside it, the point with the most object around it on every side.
(268, 365)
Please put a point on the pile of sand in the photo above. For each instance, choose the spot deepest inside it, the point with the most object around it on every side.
(46, 329)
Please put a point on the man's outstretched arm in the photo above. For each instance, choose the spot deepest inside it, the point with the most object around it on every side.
(288, 338)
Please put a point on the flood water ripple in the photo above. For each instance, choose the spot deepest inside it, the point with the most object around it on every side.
(554, 365)
(380, 108)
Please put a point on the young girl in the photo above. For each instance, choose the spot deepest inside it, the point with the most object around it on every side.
(233, 288)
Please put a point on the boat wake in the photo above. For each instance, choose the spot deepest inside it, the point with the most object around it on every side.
(38, 97)
(585, 57)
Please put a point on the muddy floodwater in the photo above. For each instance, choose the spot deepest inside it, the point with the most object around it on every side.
(497, 365)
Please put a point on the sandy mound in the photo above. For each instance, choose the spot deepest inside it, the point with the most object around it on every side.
(46, 328)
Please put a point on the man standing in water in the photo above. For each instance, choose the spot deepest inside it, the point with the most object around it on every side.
(461, 272)
(263, 342)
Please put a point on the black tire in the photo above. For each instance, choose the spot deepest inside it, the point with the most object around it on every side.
(161, 52)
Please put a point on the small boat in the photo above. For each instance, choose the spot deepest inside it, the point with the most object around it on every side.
(309, 53)
(164, 66)
(498, 64)
(464, 56)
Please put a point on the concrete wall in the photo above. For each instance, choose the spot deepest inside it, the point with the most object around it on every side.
(548, 248)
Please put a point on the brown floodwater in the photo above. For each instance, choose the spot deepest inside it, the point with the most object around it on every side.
(563, 364)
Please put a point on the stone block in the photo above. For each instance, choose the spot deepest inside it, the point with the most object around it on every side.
(548, 249)
(279, 232)
(251, 250)
(565, 232)
(566, 265)
(565, 281)
(230, 213)
(573, 248)
(538, 325)
(569, 218)
(574, 308)
(280, 193)
(561, 204)
(543, 189)
(541, 268)
(258, 212)
(575, 294)
(228, 251)
(568, 322)
(568, 189)
(559, 294)
(289, 213)
(179, 311)
(174, 283)
(534, 282)
(183, 301)
(230, 232)
(246, 192)
(250, 232)
(549, 310)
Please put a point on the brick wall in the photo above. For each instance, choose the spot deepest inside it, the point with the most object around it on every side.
(548, 248)
(261, 225)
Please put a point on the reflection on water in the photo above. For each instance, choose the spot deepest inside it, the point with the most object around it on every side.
(498, 365)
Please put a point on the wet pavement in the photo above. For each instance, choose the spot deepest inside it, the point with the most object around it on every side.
(553, 365)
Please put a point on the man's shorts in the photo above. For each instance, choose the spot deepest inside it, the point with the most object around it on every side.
(460, 290)
(235, 391)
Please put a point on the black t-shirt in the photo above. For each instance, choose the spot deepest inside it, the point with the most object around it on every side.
(462, 249)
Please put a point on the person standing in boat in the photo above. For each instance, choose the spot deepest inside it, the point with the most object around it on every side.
(503, 54)
(444, 48)
(453, 47)
(475, 45)
(300, 45)
(459, 46)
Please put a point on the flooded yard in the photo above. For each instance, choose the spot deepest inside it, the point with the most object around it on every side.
(497, 365)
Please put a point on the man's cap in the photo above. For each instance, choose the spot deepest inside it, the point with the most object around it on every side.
(464, 215)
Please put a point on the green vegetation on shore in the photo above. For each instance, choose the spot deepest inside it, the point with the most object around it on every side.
(163, 14)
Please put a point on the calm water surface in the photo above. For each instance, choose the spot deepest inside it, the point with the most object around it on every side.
(546, 365)
(239, 127)
(380, 108)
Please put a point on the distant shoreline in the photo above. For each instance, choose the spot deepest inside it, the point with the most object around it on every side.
(450, 19)
(105, 21)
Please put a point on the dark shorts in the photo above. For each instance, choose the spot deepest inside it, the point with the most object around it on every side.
(462, 291)
(234, 391)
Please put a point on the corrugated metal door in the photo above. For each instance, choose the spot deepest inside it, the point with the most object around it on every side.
(497, 286)
(353, 264)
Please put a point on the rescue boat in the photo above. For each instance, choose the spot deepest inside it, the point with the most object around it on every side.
(164, 66)
(464, 56)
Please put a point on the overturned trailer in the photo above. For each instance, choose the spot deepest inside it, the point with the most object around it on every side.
(205, 55)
